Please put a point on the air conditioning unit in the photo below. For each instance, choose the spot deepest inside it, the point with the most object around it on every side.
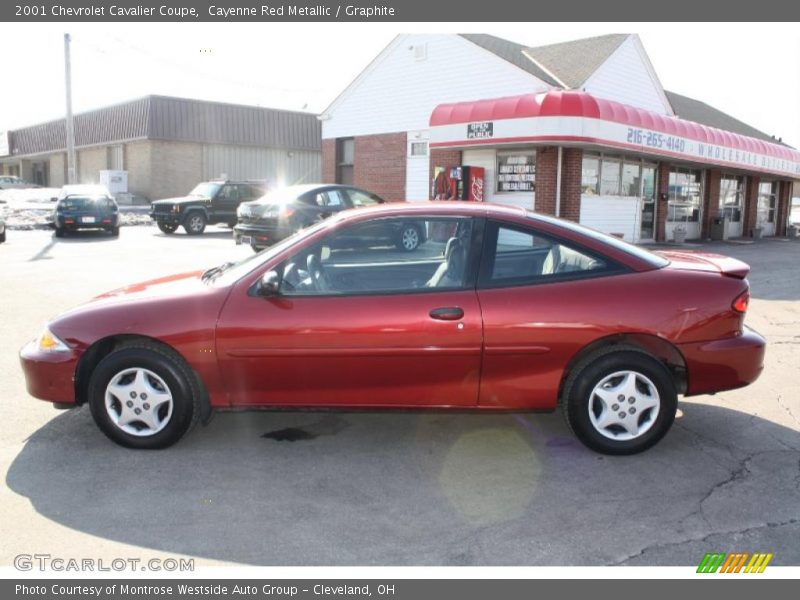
(115, 181)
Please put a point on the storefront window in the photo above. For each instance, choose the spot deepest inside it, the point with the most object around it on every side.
(685, 195)
(731, 195)
(516, 171)
(610, 177)
(590, 175)
(767, 201)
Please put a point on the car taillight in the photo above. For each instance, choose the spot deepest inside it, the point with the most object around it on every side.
(741, 302)
(287, 212)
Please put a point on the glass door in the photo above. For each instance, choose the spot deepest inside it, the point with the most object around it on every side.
(647, 225)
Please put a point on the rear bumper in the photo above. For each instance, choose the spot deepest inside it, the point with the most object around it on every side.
(72, 223)
(49, 375)
(260, 235)
(727, 364)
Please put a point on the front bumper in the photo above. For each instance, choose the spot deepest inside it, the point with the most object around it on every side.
(168, 218)
(727, 364)
(259, 235)
(49, 375)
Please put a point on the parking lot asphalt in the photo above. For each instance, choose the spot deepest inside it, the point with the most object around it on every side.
(395, 488)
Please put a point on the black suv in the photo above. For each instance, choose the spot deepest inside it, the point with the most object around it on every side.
(282, 212)
(209, 202)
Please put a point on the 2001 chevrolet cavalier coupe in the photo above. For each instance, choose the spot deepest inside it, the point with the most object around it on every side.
(499, 309)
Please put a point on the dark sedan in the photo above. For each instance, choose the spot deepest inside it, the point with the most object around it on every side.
(283, 212)
(86, 207)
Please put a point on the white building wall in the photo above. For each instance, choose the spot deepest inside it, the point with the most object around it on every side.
(487, 158)
(627, 78)
(399, 90)
(612, 214)
(417, 169)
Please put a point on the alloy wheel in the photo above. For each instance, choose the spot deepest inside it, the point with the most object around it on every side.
(624, 405)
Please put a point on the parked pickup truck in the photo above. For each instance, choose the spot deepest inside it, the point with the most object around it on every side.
(209, 202)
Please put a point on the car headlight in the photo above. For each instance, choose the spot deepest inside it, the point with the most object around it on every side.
(48, 342)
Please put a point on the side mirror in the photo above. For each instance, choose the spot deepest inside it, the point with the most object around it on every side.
(53, 199)
(270, 285)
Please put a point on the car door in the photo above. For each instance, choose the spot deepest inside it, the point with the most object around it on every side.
(385, 329)
(539, 296)
(226, 202)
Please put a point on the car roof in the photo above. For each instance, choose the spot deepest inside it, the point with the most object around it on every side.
(84, 189)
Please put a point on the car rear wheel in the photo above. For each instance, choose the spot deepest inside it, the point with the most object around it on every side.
(2, 237)
(143, 397)
(409, 238)
(195, 223)
(620, 401)
(59, 232)
(114, 231)
(168, 227)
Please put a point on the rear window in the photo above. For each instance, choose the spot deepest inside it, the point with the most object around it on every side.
(636, 251)
(76, 202)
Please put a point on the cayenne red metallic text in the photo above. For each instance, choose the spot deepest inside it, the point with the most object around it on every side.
(498, 310)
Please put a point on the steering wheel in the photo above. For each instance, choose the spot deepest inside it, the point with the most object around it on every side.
(316, 272)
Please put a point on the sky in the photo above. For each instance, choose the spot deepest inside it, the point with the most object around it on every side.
(750, 70)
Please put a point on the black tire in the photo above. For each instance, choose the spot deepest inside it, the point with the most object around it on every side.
(59, 232)
(3, 237)
(409, 237)
(166, 365)
(168, 228)
(255, 248)
(195, 222)
(602, 365)
(114, 231)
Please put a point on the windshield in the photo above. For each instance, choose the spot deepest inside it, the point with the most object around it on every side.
(74, 202)
(233, 272)
(638, 252)
(208, 190)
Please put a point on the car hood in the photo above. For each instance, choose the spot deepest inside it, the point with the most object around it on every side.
(173, 304)
(181, 200)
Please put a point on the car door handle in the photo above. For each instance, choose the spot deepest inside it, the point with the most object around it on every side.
(447, 313)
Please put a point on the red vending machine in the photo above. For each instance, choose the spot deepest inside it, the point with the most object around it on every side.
(466, 183)
(459, 183)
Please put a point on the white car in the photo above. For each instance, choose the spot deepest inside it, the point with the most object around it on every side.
(2, 222)
(9, 182)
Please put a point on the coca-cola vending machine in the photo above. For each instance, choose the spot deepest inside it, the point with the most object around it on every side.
(460, 183)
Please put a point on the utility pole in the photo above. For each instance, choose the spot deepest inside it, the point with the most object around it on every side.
(70, 132)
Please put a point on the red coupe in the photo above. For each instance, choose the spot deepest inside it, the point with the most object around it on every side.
(498, 310)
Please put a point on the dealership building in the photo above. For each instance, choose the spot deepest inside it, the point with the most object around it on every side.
(581, 129)
(165, 146)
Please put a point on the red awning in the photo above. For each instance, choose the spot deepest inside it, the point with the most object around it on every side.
(581, 104)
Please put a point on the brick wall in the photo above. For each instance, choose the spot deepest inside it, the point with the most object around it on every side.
(380, 164)
(442, 158)
(546, 175)
(750, 215)
(58, 169)
(571, 163)
(662, 201)
(138, 163)
(329, 161)
(710, 200)
(90, 162)
(176, 168)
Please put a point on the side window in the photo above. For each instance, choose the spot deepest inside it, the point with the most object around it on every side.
(228, 192)
(335, 198)
(359, 198)
(523, 256)
(369, 258)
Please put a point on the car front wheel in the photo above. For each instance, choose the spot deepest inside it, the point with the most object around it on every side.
(143, 397)
(409, 238)
(195, 223)
(168, 227)
(620, 401)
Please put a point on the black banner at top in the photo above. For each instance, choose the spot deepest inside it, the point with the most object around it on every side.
(443, 11)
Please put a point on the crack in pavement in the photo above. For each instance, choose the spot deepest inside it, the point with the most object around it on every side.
(787, 409)
(702, 539)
